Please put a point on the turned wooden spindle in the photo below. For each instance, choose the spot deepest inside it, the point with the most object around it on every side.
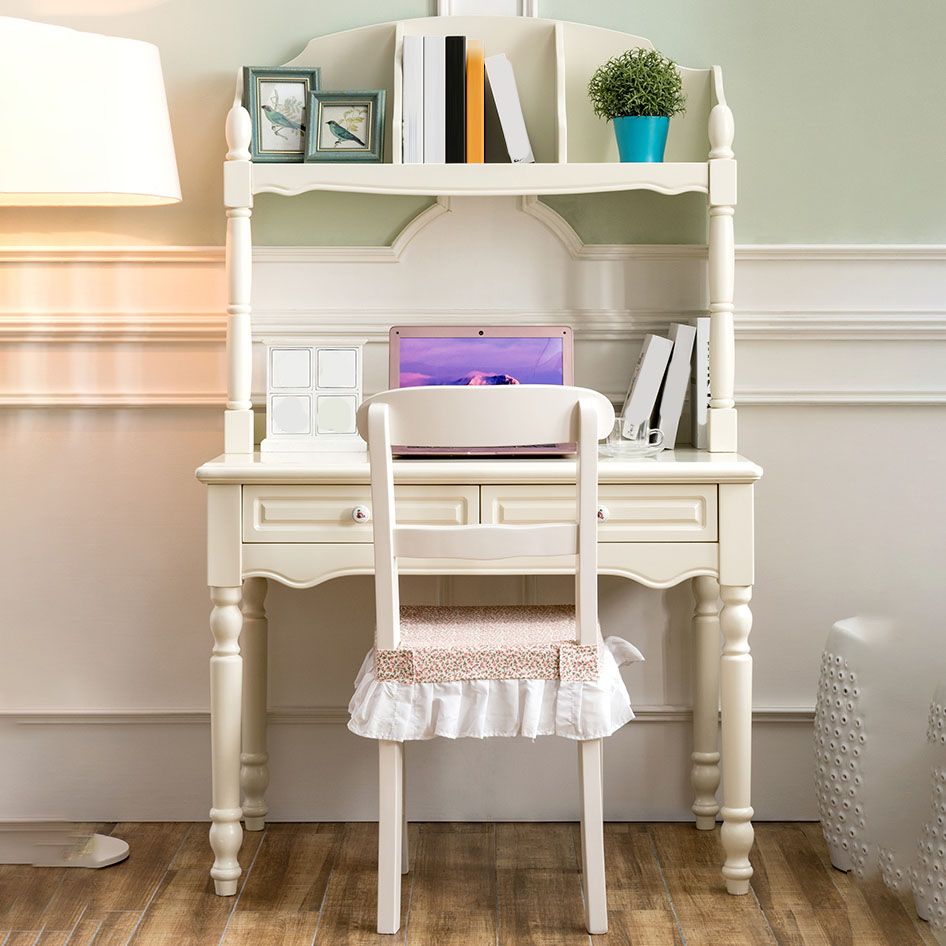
(704, 773)
(226, 681)
(737, 834)
(254, 768)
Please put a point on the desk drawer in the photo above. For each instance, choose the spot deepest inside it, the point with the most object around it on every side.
(324, 513)
(634, 513)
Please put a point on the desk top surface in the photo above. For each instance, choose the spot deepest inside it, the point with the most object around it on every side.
(671, 466)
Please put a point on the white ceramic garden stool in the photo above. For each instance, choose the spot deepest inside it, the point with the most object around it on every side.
(928, 876)
(840, 739)
(872, 766)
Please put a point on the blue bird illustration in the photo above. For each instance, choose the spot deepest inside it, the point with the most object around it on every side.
(343, 134)
(277, 120)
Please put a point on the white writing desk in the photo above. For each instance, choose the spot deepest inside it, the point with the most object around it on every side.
(304, 519)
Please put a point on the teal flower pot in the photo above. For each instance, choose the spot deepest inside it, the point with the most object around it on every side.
(641, 137)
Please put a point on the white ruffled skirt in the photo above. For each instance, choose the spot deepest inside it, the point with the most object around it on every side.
(386, 709)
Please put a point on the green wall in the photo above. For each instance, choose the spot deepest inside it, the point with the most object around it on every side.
(838, 109)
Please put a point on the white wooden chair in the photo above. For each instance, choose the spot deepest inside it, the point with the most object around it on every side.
(454, 417)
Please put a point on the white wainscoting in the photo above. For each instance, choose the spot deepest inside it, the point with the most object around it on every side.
(103, 689)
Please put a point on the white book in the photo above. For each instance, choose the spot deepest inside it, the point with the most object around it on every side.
(700, 384)
(412, 100)
(675, 382)
(435, 100)
(502, 85)
(645, 384)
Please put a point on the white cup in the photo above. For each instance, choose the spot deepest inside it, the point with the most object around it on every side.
(633, 438)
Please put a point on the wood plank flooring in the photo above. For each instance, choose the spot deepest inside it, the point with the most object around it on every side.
(469, 885)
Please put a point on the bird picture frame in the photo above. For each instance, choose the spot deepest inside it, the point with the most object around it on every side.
(346, 126)
(277, 98)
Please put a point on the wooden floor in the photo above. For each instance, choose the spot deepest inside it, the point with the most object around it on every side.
(470, 884)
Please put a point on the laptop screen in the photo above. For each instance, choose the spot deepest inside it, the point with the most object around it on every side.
(480, 360)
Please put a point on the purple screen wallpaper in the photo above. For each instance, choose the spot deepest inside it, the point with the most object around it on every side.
(461, 361)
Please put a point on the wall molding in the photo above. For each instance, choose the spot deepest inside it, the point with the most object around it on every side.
(600, 324)
(744, 398)
(614, 324)
(144, 327)
(111, 327)
(214, 255)
(331, 715)
(114, 399)
(355, 254)
(826, 397)
(800, 252)
(103, 255)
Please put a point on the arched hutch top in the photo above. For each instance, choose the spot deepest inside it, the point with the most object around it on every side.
(575, 154)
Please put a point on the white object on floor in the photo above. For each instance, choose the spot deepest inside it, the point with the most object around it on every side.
(57, 844)
(460, 417)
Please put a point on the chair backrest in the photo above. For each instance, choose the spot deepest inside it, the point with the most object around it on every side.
(503, 416)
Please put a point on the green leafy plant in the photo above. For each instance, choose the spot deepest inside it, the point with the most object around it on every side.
(638, 82)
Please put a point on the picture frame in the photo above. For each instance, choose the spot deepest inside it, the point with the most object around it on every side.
(277, 98)
(346, 126)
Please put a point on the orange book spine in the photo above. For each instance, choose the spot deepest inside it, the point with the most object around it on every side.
(475, 101)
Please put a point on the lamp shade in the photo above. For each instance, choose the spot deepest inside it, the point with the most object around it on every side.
(85, 119)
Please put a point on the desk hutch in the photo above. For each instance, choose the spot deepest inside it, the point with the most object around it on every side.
(298, 519)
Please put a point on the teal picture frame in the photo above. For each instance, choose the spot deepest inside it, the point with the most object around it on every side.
(277, 98)
(346, 126)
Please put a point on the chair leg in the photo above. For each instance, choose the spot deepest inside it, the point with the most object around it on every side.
(590, 762)
(405, 852)
(390, 826)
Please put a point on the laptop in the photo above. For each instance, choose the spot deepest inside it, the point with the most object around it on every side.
(428, 355)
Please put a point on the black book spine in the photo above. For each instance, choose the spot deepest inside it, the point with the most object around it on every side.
(455, 118)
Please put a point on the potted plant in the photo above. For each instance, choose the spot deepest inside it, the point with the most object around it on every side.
(639, 91)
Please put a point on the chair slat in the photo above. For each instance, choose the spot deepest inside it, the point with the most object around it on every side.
(486, 542)
(503, 416)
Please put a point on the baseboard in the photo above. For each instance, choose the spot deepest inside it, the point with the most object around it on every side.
(329, 715)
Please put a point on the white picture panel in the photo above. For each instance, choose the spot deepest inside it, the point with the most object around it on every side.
(291, 368)
(291, 414)
(338, 368)
(336, 414)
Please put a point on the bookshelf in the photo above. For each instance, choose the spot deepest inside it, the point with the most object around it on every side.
(574, 149)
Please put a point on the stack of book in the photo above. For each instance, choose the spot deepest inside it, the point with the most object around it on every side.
(665, 368)
(444, 102)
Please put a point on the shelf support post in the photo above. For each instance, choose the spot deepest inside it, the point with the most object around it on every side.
(238, 199)
(722, 271)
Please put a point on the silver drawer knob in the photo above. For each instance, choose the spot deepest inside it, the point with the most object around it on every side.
(361, 514)
(604, 514)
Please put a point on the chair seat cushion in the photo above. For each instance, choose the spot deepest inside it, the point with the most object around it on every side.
(453, 706)
(439, 644)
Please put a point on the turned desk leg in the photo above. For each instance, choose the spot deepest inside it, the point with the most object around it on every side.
(226, 682)
(254, 769)
(704, 774)
(736, 698)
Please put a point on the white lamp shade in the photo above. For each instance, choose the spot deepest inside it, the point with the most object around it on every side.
(85, 119)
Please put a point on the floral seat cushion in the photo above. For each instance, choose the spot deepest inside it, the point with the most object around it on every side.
(440, 644)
